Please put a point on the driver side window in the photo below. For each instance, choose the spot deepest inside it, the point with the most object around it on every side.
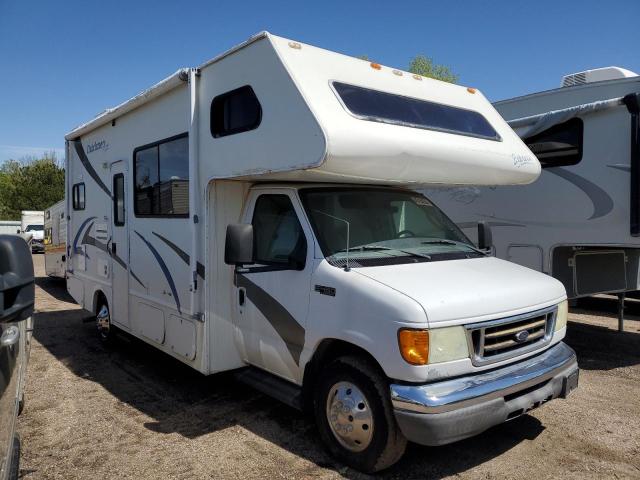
(279, 238)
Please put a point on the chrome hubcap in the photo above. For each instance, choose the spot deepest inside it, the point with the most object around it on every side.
(103, 321)
(350, 417)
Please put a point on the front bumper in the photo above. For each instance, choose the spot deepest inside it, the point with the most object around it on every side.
(444, 412)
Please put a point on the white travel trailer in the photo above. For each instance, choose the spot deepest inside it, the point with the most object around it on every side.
(55, 240)
(580, 221)
(258, 211)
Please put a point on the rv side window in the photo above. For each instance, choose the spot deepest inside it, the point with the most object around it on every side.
(234, 112)
(77, 196)
(161, 172)
(279, 238)
(118, 200)
(560, 145)
(377, 106)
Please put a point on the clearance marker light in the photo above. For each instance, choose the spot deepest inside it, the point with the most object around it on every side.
(376, 66)
(417, 77)
(295, 45)
(471, 90)
(397, 72)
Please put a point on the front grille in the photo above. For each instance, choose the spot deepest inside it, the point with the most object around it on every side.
(505, 338)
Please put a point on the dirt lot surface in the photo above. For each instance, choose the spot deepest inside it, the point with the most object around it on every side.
(133, 412)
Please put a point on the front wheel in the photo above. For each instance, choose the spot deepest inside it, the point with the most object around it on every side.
(354, 415)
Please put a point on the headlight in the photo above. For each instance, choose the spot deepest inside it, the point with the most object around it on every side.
(447, 344)
(420, 347)
(561, 317)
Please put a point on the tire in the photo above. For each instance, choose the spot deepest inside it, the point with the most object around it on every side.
(106, 331)
(21, 404)
(352, 394)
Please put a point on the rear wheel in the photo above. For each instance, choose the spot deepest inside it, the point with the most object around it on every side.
(103, 322)
(354, 415)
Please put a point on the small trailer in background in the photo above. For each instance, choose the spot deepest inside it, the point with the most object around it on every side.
(258, 213)
(55, 240)
(9, 227)
(580, 221)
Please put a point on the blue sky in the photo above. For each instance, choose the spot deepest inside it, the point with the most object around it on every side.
(62, 62)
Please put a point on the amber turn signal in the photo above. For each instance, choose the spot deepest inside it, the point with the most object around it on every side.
(414, 346)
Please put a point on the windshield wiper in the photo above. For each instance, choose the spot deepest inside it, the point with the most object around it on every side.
(374, 248)
(442, 241)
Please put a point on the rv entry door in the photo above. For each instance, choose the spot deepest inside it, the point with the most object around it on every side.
(119, 247)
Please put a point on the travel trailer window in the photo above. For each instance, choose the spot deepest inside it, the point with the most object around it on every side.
(378, 106)
(234, 112)
(161, 172)
(279, 238)
(77, 196)
(385, 227)
(560, 145)
(118, 199)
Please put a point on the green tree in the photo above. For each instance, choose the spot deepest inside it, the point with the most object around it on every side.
(30, 184)
(424, 66)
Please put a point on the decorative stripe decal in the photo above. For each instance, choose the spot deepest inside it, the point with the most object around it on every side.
(89, 240)
(165, 270)
(620, 166)
(182, 254)
(89, 168)
(75, 240)
(137, 279)
(602, 202)
(291, 332)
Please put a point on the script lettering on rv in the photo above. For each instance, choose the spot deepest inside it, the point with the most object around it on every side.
(520, 160)
(101, 145)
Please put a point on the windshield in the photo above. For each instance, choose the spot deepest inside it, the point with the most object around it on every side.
(32, 228)
(383, 227)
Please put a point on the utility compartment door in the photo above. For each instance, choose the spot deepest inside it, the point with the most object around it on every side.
(119, 246)
(272, 296)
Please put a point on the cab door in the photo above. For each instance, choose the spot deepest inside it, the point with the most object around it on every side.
(119, 247)
(272, 296)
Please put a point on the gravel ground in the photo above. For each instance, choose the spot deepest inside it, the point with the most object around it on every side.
(133, 412)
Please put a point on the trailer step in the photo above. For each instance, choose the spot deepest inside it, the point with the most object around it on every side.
(269, 384)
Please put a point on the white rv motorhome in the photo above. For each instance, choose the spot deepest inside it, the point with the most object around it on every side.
(55, 240)
(258, 211)
(580, 221)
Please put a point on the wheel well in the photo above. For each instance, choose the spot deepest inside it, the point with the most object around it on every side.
(98, 299)
(328, 350)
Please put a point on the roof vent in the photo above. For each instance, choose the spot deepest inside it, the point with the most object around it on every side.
(596, 75)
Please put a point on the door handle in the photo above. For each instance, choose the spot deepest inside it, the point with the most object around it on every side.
(10, 336)
(113, 247)
(241, 296)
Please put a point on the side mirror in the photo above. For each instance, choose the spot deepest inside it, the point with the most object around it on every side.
(17, 288)
(18, 231)
(485, 238)
(238, 246)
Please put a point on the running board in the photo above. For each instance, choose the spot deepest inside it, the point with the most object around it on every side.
(273, 386)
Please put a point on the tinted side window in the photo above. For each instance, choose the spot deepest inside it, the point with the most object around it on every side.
(377, 106)
(78, 196)
(234, 112)
(118, 199)
(279, 238)
(560, 145)
(161, 172)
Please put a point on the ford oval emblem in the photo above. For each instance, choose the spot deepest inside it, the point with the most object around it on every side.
(522, 336)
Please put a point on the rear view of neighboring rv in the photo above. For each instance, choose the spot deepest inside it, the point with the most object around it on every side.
(580, 221)
(55, 240)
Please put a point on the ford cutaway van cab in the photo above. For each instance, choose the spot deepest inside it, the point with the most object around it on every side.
(258, 213)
